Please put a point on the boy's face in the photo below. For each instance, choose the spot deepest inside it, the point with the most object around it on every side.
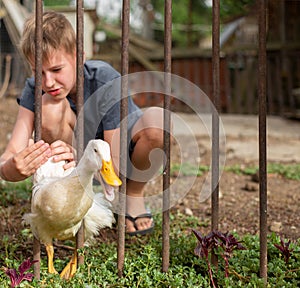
(58, 74)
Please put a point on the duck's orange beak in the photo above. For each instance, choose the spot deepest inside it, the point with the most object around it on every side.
(108, 174)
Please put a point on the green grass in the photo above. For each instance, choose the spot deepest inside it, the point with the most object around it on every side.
(289, 171)
(11, 192)
(187, 169)
(143, 255)
(143, 262)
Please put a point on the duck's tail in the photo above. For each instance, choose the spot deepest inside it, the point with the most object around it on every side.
(98, 217)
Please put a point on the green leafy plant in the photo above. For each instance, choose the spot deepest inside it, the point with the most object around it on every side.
(12, 192)
(142, 267)
(187, 169)
(289, 171)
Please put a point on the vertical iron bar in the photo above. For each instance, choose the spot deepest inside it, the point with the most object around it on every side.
(262, 138)
(79, 107)
(38, 108)
(38, 69)
(215, 118)
(123, 134)
(167, 121)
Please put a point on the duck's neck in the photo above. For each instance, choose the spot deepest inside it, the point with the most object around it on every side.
(84, 172)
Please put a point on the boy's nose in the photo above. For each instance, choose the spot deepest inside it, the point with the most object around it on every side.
(49, 80)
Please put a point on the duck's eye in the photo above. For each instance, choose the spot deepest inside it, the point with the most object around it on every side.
(95, 150)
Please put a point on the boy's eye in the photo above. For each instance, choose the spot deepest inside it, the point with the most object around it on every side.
(56, 69)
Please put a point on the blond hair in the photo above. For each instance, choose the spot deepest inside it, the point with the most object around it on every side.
(58, 33)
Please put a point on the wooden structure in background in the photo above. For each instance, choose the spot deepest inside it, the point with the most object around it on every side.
(238, 65)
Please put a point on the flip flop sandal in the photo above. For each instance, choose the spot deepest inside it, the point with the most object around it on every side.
(140, 232)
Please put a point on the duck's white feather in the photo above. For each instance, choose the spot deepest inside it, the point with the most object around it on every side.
(99, 216)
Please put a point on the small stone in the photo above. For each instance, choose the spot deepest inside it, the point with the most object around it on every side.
(276, 226)
(188, 212)
(185, 202)
(207, 212)
(220, 194)
(251, 187)
(255, 177)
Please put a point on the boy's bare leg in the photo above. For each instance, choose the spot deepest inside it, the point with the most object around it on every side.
(146, 158)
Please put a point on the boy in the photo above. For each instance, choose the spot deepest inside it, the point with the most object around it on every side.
(22, 157)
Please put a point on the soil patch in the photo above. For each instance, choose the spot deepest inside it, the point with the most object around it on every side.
(239, 194)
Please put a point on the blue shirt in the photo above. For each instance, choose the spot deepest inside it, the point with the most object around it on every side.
(102, 94)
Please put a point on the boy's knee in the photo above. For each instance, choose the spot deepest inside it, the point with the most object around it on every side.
(155, 137)
(50, 117)
(57, 122)
(151, 127)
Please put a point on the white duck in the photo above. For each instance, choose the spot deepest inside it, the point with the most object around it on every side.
(61, 199)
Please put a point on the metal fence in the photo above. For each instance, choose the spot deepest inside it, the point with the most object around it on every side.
(261, 80)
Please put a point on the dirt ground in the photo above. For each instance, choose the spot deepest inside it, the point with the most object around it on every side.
(239, 194)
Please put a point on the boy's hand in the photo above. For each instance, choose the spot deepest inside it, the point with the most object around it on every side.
(26, 162)
(63, 152)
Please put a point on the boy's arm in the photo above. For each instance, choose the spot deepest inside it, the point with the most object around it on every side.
(21, 159)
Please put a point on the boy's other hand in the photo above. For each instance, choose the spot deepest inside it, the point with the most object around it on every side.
(63, 152)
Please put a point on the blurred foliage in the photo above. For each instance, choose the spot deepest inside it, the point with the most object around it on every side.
(192, 19)
(232, 8)
(56, 2)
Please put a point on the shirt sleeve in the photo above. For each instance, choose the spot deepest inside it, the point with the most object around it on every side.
(27, 97)
(111, 119)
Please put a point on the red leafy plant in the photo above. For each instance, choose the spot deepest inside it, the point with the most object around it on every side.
(284, 248)
(209, 243)
(228, 243)
(204, 246)
(16, 277)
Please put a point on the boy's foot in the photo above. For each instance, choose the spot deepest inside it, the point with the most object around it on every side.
(138, 219)
(137, 229)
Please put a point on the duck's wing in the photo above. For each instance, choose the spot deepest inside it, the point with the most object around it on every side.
(46, 175)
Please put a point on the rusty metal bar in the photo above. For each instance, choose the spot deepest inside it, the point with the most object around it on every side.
(38, 69)
(167, 124)
(262, 76)
(123, 134)
(215, 116)
(79, 106)
(38, 109)
(215, 119)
